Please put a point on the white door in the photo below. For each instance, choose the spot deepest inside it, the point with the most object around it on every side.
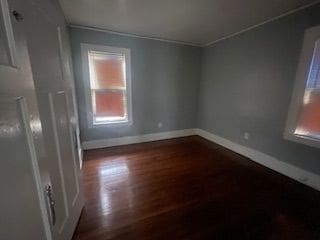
(22, 176)
(45, 46)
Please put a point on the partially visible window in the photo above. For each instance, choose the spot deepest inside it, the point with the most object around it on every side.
(109, 84)
(304, 117)
(309, 117)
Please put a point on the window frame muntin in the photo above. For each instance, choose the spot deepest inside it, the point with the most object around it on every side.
(310, 37)
(85, 49)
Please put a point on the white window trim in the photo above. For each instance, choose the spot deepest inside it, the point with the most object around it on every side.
(310, 37)
(85, 48)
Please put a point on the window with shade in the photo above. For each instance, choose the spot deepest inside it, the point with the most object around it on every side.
(109, 85)
(304, 117)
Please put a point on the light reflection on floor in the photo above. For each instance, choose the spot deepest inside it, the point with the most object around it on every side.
(114, 178)
(114, 168)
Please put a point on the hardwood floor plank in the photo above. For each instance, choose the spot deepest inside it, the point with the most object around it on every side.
(189, 188)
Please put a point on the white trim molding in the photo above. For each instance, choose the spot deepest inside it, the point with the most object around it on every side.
(80, 154)
(308, 178)
(111, 142)
(133, 35)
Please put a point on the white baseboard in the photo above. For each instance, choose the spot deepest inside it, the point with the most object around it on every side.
(136, 139)
(298, 174)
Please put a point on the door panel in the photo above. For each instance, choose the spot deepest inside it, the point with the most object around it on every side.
(20, 202)
(45, 69)
(66, 146)
(51, 89)
(7, 42)
(67, 73)
(21, 174)
(35, 153)
(56, 165)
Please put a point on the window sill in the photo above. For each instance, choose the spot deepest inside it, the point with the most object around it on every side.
(110, 124)
(312, 142)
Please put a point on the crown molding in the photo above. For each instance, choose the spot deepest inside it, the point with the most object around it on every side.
(260, 24)
(133, 35)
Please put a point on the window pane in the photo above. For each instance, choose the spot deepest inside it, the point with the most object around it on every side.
(309, 119)
(110, 105)
(109, 70)
(314, 73)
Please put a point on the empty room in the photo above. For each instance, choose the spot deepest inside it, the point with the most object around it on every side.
(172, 119)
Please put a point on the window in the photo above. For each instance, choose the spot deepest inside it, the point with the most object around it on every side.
(304, 116)
(108, 84)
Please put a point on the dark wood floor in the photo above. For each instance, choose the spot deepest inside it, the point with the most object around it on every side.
(189, 188)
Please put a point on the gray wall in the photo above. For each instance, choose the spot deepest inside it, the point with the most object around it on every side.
(242, 84)
(246, 85)
(165, 80)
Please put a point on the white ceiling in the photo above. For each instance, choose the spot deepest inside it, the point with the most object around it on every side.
(192, 21)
